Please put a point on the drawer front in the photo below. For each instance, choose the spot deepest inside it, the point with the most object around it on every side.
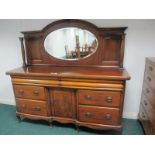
(145, 121)
(33, 107)
(150, 111)
(145, 102)
(29, 92)
(98, 115)
(150, 68)
(150, 80)
(99, 98)
(148, 92)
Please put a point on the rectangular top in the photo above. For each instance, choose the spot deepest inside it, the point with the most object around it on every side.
(71, 72)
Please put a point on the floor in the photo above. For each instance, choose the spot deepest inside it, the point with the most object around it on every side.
(9, 125)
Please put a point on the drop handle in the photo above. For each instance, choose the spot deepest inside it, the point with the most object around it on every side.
(88, 114)
(150, 68)
(108, 117)
(108, 99)
(36, 93)
(149, 79)
(88, 97)
(145, 103)
(147, 90)
(21, 91)
(37, 108)
(143, 115)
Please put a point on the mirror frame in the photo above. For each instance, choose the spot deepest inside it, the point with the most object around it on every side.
(110, 51)
(70, 59)
(68, 23)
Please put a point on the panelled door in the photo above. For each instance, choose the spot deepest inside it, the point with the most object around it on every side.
(63, 102)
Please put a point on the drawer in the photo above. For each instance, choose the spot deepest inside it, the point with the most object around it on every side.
(99, 98)
(148, 92)
(145, 102)
(98, 115)
(150, 80)
(149, 109)
(150, 68)
(145, 121)
(29, 92)
(32, 107)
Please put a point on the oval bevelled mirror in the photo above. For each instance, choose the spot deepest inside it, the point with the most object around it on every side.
(70, 43)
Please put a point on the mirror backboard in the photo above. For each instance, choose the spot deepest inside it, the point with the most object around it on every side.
(70, 43)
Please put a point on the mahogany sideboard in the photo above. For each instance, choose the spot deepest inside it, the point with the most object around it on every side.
(87, 91)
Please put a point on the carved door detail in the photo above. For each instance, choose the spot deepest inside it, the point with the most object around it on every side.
(63, 102)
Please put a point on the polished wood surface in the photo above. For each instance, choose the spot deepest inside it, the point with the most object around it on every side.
(110, 51)
(33, 107)
(99, 98)
(147, 107)
(87, 92)
(100, 115)
(63, 102)
(72, 72)
(29, 92)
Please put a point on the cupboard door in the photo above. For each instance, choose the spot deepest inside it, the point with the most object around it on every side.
(63, 103)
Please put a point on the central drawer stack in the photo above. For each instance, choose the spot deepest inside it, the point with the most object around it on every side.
(31, 100)
(100, 107)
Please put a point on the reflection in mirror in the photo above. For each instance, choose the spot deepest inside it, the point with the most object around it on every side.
(70, 43)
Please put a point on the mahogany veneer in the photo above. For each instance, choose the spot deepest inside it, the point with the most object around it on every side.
(87, 92)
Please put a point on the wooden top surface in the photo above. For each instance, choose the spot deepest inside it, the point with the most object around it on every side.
(71, 72)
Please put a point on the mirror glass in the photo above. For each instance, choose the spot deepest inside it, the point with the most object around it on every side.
(70, 43)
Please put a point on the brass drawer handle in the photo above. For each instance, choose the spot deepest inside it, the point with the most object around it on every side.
(143, 115)
(149, 79)
(21, 92)
(145, 103)
(36, 93)
(150, 68)
(109, 99)
(37, 108)
(88, 114)
(108, 117)
(147, 90)
(88, 97)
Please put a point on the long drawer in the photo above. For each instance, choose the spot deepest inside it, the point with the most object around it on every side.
(98, 115)
(29, 92)
(33, 107)
(99, 98)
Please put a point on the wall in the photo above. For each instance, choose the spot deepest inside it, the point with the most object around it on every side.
(140, 43)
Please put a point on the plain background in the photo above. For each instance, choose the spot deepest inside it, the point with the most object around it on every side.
(140, 43)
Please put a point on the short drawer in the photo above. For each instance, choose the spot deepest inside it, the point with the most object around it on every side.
(149, 111)
(150, 68)
(29, 92)
(98, 115)
(99, 98)
(150, 80)
(33, 107)
(145, 102)
(145, 121)
(148, 92)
